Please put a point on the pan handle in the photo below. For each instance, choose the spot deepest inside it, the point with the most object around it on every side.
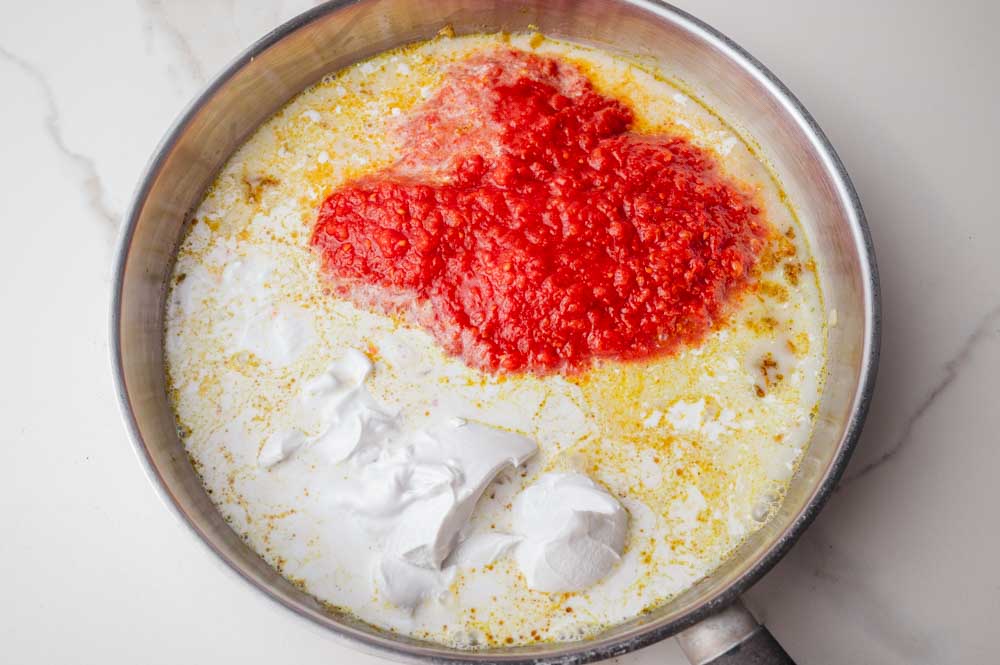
(732, 637)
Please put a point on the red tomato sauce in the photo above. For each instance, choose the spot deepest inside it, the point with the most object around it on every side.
(528, 229)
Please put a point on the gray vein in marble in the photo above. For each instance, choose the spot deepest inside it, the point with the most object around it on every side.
(157, 15)
(84, 166)
(952, 368)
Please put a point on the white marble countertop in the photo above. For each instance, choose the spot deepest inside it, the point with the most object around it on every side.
(901, 567)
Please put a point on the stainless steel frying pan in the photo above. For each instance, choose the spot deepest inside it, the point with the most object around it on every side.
(716, 628)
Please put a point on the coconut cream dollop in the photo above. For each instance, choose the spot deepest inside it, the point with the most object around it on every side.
(573, 532)
(411, 491)
(416, 497)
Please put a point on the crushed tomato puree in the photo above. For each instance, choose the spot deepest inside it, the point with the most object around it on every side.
(528, 229)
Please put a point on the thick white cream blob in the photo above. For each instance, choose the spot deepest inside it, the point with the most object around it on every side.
(334, 413)
(573, 532)
(412, 492)
(417, 495)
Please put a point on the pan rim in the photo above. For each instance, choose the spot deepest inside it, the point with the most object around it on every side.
(574, 652)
